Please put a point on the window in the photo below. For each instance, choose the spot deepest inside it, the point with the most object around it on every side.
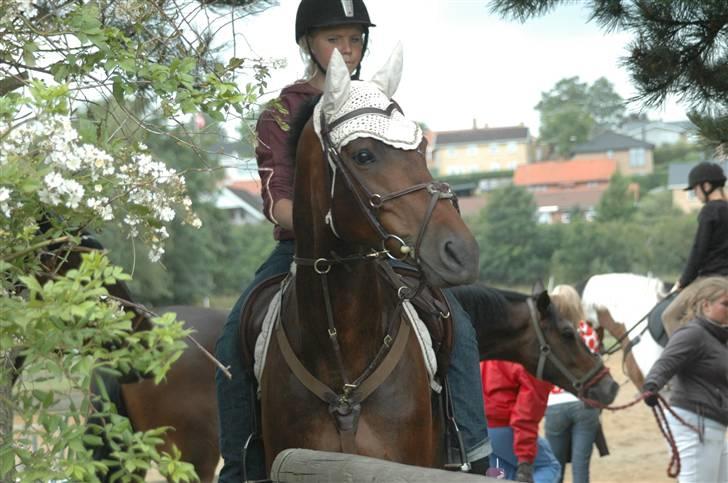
(637, 157)
(493, 148)
(472, 149)
(495, 166)
(512, 147)
(450, 152)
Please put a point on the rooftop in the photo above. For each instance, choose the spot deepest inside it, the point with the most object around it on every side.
(565, 172)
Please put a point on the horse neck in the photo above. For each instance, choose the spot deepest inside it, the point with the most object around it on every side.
(507, 339)
(617, 329)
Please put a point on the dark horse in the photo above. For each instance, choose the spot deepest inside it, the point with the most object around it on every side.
(344, 371)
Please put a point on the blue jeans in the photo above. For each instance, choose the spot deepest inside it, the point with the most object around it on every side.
(237, 404)
(571, 429)
(546, 469)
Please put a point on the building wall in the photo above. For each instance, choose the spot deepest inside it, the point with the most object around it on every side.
(456, 159)
(624, 160)
(685, 200)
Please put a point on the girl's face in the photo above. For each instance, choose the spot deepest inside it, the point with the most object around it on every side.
(717, 310)
(348, 39)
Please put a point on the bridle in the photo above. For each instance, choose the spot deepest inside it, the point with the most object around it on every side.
(369, 202)
(580, 384)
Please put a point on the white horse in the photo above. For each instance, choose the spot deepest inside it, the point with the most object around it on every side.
(628, 298)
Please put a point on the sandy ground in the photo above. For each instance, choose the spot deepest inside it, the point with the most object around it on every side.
(638, 451)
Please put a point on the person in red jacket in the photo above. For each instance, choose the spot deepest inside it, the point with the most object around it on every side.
(515, 403)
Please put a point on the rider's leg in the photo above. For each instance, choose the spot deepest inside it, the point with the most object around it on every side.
(465, 383)
(234, 401)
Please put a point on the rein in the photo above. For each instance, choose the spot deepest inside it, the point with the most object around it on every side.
(580, 384)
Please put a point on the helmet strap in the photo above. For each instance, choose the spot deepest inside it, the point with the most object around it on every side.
(706, 193)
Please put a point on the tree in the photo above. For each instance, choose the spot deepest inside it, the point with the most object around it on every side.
(678, 49)
(617, 203)
(572, 111)
(510, 215)
(78, 83)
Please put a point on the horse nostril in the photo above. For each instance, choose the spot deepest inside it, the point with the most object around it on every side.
(451, 253)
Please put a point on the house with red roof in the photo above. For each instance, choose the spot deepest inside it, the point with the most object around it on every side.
(562, 187)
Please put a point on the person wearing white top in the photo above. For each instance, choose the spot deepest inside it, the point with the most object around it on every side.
(572, 427)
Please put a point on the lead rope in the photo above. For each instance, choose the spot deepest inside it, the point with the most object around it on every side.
(673, 469)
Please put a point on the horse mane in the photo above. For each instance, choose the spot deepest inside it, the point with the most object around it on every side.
(487, 303)
(298, 122)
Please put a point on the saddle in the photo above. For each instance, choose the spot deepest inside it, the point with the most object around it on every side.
(430, 303)
(654, 320)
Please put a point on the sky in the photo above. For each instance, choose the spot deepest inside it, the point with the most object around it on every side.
(462, 64)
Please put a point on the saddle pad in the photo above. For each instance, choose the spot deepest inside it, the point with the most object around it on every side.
(273, 315)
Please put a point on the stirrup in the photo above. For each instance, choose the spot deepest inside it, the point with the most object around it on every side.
(453, 429)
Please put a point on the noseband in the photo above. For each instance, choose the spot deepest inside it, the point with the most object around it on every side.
(580, 384)
(370, 203)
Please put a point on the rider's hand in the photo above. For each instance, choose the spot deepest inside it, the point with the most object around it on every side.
(676, 287)
(650, 392)
(524, 472)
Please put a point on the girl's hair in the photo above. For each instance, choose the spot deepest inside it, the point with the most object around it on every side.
(568, 303)
(707, 289)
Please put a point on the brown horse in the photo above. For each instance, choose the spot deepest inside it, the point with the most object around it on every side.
(344, 371)
(529, 330)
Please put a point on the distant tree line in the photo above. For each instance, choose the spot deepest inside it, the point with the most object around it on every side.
(624, 237)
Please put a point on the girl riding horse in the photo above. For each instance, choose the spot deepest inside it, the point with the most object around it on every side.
(321, 26)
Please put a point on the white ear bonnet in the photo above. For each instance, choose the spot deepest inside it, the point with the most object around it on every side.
(342, 96)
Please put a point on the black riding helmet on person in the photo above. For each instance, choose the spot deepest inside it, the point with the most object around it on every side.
(706, 172)
(315, 14)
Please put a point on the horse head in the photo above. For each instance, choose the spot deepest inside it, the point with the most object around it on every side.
(563, 357)
(374, 191)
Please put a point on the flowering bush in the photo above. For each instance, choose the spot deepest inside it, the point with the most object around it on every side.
(64, 173)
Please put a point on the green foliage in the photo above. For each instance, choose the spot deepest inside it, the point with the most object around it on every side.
(72, 160)
(515, 251)
(572, 111)
(65, 329)
(507, 238)
(617, 203)
(682, 152)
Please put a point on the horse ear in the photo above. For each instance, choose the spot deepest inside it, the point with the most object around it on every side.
(337, 85)
(388, 77)
(537, 287)
(542, 302)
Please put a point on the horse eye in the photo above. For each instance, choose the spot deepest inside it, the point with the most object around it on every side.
(363, 157)
(568, 333)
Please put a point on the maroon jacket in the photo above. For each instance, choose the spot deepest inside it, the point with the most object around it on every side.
(275, 165)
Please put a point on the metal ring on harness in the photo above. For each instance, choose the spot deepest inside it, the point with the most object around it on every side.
(376, 200)
(404, 248)
(319, 270)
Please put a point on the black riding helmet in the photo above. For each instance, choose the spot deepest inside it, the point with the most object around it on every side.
(706, 171)
(314, 14)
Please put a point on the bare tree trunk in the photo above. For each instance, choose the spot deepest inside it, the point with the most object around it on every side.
(6, 406)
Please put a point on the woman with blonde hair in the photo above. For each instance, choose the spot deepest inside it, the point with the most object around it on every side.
(697, 357)
(571, 426)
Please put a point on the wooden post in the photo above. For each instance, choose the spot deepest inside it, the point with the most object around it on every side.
(298, 465)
